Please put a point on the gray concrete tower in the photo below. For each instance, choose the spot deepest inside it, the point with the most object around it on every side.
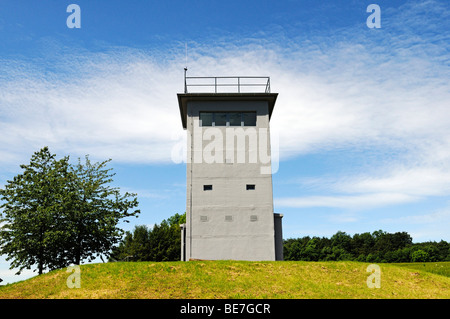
(229, 206)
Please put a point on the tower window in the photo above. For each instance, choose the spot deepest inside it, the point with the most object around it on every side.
(206, 119)
(207, 187)
(235, 119)
(228, 218)
(254, 218)
(249, 118)
(227, 118)
(250, 187)
(220, 119)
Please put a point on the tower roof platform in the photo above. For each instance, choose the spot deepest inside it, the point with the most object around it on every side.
(225, 88)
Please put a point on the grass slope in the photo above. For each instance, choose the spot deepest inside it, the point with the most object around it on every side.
(237, 279)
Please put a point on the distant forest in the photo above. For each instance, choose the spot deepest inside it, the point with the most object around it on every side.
(162, 243)
(378, 247)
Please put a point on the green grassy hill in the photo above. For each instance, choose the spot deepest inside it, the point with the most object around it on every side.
(238, 279)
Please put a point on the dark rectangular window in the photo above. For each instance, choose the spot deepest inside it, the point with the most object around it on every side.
(249, 118)
(220, 119)
(207, 187)
(206, 119)
(250, 187)
(235, 119)
(227, 118)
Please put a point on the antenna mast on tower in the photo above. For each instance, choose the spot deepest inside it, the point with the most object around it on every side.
(185, 68)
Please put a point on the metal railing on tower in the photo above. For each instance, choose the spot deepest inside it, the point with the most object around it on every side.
(226, 84)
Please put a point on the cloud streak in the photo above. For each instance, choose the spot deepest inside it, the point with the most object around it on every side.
(129, 103)
(350, 90)
(357, 202)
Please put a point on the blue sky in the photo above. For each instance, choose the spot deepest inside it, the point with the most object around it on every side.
(362, 120)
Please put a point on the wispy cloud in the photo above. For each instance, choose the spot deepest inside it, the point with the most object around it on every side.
(423, 225)
(359, 202)
(413, 181)
(355, 90)
(386, 97)
(439, 216)
(118, 108)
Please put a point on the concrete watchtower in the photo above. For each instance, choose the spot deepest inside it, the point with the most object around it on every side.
(229, 206)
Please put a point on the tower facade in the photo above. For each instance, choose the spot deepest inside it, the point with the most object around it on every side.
(229, 206)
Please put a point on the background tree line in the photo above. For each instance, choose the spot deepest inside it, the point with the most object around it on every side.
(162, 243)
(378, 246)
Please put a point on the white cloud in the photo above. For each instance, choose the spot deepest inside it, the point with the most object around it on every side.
(115, 110)
(380, 92)
(423, 226)
(441, 217)
(123, 105)
(413, 181)
(380, 186)
(358, 202)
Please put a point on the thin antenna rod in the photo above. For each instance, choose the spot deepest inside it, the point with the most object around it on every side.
(185, 70)
(186, 59)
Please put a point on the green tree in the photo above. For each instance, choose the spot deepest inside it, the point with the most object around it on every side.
(386, 242)
(419, 256)
(160, 243)
(31, 203)
(55, 214)
(363, 244)
(174, 222)
(311, 251)
(291, 249)
(377, 247)
(135, 246)
(341, 246)
(93, 210)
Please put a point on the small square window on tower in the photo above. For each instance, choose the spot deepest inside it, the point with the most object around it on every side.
(250, 187)
(207, 187)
